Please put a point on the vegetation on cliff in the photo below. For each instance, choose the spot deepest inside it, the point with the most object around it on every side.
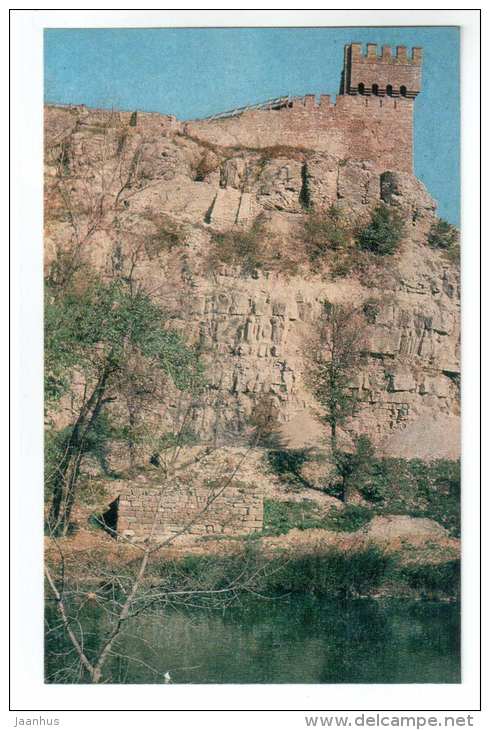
(387, 486)
(445, 237)
(351, 247)
(383, 234)
(323, 241)
(105, 340)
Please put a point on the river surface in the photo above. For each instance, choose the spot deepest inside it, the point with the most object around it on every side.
(300, 639)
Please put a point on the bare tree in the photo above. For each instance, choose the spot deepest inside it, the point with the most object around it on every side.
(333, 362)
(92, 192)
(134, 595)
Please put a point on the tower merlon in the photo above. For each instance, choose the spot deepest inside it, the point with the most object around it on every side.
(372, 51)
(417, 54)
(401, 54)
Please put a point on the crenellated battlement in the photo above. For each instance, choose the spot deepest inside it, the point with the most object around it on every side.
(370, 73)
(381, 73)
(371, 119)
(386, 56)
(325, 103)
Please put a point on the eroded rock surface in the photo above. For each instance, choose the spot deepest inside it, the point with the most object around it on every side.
(109, 186)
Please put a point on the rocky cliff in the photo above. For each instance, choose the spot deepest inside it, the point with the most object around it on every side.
(142, 196)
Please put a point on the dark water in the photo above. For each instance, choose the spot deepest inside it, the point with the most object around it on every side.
(301, 639)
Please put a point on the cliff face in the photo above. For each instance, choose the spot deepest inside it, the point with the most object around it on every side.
(151, 200)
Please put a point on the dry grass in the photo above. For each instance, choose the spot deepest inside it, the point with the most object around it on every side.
(272, 152)
(168, 236)
(280, 151)
(252, 249)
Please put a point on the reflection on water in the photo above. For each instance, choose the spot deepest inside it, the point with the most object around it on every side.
(301, 639)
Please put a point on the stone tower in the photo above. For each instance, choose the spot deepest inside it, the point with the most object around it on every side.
(372, 74)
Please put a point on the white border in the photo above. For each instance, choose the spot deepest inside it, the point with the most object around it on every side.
(29, 692)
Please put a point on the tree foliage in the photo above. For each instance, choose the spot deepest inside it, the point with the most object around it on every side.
(336, 360)
(101, 326)
(108, 336)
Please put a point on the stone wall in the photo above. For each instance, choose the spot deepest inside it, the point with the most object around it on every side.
(370, 73)
(355, 127)
(236, 509)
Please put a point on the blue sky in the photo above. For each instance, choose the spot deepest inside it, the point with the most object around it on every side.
(196, 72)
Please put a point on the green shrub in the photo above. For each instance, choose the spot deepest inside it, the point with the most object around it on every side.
(402, 486)
(387, 483)
(354, 467)
(415, 487)
(335, 489)
(383, 234)
(442, 235)
(439, 486)
(211, 573)
(333, 572)
(433, 580)
(280, 517)
(330, 237)
(349, 519)
(445, 237)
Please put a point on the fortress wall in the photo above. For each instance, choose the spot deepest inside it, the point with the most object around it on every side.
(355, 127)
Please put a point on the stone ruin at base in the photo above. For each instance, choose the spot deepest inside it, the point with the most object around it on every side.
(236, 509)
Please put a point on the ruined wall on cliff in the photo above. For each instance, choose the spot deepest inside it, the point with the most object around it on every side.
(119, 180)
